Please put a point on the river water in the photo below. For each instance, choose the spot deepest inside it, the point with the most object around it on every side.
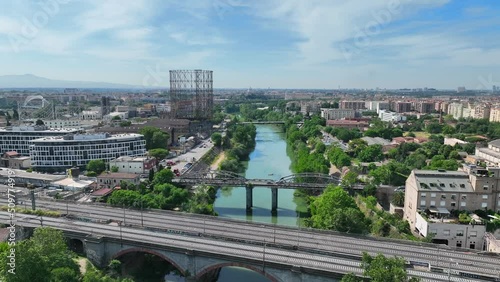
(269, 160)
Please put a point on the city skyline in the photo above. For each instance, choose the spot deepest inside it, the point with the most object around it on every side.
(390, 44)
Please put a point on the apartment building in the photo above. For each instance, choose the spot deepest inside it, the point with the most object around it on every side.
(353, 105)
(348, 124)
(481, 111)
(440, 192)
(401, 107)
(18, 138)
(332, 114)
(138, 165)
(495, 114)
(425, 107)
(390, 116)
(76, 150)
(491, 154)
(376, 106)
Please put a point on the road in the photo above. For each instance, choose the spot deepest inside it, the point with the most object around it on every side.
(246, 252)
(197, 153)
(306, 239)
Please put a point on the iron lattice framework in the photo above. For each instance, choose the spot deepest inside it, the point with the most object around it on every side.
(191, 94)
(35, 107)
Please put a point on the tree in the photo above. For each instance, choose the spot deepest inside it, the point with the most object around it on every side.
(155, 137)
(371, 153)
(97, 166)
(116, 118)
(351, 277)
(114, 168)
(39, 122)
(217, 139)
(382, 269)
(151, 175)
(336, 210)
(398, 199)
(158, 153)
(163, 176)
(64, 274)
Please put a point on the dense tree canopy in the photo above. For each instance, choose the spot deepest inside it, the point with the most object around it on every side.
(155, 137)
(97, 166)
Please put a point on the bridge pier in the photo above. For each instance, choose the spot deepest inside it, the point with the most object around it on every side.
(274, 200)
(249, 189)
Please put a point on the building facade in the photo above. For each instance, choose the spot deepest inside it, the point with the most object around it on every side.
(353, 105)
(491, 154)
(495, 114)
(438, 193)
(18, 138)
(332, 114)
(138, 165)
(76, 150)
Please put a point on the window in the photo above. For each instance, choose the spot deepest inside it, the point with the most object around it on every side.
(453, 196)
(452, 185)
(433, 231)
(446, 232)
(453, 204)
(485, 197)
(484, 205)
(473, 233)
(459, 244)
(460, 233)
(442, 203)
(433, 195)
(423, 203)
(443, 196)
(422, 195)
(433, 184)
(464, 197)
(441, 185)
(485, 187)
(463, 204)
(433, 203)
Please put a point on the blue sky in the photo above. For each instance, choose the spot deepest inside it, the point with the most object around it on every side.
(256, 43)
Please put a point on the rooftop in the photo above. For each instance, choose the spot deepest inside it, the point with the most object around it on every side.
(87, 137)
(37, 129)
(494, 143)
(376, 140)
(444, 181)
(14, 173)
(118, 175)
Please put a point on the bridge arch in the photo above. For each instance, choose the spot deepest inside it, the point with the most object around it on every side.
(259, 270)
(151, 252)
(76, 245)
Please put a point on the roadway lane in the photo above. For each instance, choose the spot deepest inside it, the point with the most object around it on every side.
(241, 251)
(314, 240)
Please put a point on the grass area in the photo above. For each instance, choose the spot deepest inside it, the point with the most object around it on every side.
(218, 160)
(419, 134)
(33, 212)
(83, 262)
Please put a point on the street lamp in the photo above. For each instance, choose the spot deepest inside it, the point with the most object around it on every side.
(121, 238)
(142, 218)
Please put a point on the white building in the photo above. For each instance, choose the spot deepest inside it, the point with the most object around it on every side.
(491, 154)
(91, 115)
(138, 165)
(59, 153)
(377, 106)
(18, 138)
(121, 115)
(388, 116)
(332, 114)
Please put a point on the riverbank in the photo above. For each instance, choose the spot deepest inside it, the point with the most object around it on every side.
(220, 158)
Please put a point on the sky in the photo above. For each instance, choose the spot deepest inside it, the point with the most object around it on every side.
(320, 44)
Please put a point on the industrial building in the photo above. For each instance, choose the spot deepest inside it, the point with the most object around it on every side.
(191, 94)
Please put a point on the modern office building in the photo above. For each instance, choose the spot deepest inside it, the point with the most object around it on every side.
(432, 196)
(18, 138)
(76, 150)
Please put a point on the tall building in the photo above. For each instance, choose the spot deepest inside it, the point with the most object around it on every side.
(105, 106)
(401, 107)
(76, 150)
(18, 138)
(495, 114)
(425, 107)
(191, 94)
(331, 114)
(481, 111)
(353, 105)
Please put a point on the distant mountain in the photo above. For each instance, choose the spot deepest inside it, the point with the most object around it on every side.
(33, 81)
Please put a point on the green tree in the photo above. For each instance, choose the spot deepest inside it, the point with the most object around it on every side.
(151, 175)
(39, 122)
(371, 153)
(114, 168)
(216, 139)
(351, 277)
(64, 274)
(336, 210)
(116, 118)
(163, 176)
(398, 199)
(97, 166)
(155, 137)
(382, 269)
(158, 153)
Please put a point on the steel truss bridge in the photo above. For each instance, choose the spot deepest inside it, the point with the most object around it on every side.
(295, 181)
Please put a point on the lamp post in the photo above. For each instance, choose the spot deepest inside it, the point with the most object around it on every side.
(123, 206)
(142, 217)
(121, 238)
